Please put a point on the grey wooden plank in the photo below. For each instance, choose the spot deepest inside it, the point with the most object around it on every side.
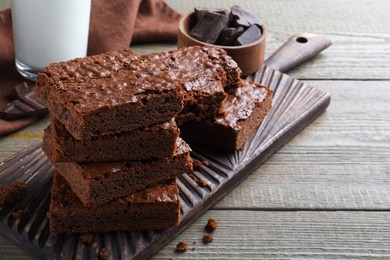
(10, 251)
(287, 235)
(339, 161)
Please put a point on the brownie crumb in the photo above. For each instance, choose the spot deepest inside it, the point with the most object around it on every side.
(202, 183)
(197, 164)
(103, 254)
(17, 214)
(207, 238)
(182, 246)
(206, 163)
(193, 249)
(87, 238)
(212, 225)
(12, 193)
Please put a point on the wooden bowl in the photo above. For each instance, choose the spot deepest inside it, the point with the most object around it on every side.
(249, 57)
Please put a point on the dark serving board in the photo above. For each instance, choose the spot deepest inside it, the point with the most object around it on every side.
(295, 105)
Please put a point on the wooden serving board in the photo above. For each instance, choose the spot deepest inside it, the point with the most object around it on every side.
(295, 105)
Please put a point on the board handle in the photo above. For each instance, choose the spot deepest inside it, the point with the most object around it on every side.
(298, 49)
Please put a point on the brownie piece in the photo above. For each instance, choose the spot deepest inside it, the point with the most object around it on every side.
(91, 100)
(98, 183)
(204, 73)
(12, 193)
(246, 107)
(182, 246)
(154, 208)
(147, 143)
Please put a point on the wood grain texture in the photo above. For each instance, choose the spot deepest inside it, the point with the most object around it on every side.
(287, 235)
(278, 235)
(339, 161)
(298, 49)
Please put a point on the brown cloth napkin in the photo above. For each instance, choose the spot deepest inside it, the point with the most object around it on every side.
(114, 25)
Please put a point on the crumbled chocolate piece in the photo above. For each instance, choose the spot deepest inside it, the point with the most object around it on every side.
(207, 238)
(242, 17)
(103, 255)
(25, 104)
(193, 249)
(87, 238)
(196, 164)
(182, 246)
(208, 28)
(12, 193)
(229, 35)
(251, 34)
(202, 183)
(212, 225)
(17, 214)
(223, 27)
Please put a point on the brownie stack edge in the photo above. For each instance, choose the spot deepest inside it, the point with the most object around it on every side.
(114, 143)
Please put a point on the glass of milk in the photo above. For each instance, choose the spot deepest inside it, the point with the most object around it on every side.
(47, 31)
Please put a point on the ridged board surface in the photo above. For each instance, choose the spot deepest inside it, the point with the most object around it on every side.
(295, 105)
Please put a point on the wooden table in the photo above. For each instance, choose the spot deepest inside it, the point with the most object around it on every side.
(326, 194)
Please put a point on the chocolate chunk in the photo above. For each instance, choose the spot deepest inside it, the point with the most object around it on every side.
(242, 17)
(209, 27)
(229, 35)
(200, 12)
(27, 104)
(251, 34)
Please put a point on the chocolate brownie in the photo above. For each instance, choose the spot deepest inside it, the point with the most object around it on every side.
(98, 183)
(246, 107)
(153, 208)
(204, 73)
(147, 143)
(91, 100)
(12, 193)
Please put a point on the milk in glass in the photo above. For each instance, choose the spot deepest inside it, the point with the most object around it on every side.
(47, 31)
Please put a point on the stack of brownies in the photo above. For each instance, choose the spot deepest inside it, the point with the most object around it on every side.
(113, 137)
(114, 143)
